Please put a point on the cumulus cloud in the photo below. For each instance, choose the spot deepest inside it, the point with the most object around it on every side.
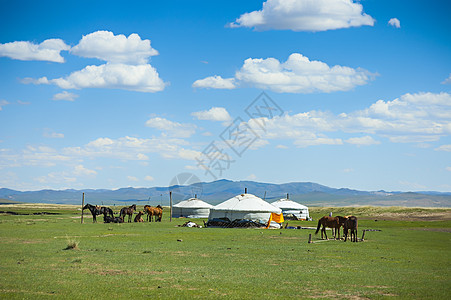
(394, 22)
(149, 178)
(65, 95)
(298, 75)
(80, 170)
(126, 65)
(215, 82)
(3, 103)
(48, 50)
(132, 148)
(48, 133)
(446, 148)
(171, 128)
(362, 141)
(411, 118)
(213, 114)
(447, 80)
(305, 15)
(104, 45)
(140, 78)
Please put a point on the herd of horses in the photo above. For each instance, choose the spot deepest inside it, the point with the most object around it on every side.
(108, 216)
(349, 224)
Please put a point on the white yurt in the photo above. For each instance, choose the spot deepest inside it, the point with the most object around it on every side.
(191, 208)
(290, 207)
(244, 207)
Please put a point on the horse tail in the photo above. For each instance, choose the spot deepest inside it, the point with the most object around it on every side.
(319, 226)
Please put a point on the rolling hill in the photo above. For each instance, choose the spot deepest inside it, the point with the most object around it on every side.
(308, 193)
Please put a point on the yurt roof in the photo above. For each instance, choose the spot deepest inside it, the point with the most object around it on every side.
(193, 203)
(247, 202)
(286, 203)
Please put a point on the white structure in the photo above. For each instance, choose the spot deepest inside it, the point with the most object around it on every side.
(191, 208)
(290, 207)
(244, 206)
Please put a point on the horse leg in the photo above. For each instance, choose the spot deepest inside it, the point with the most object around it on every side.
(325, 234)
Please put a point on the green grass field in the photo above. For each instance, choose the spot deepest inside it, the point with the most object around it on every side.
(409, 258)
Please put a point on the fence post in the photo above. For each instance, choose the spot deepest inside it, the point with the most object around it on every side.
(310, 238)
(170, 206)
(82, 205)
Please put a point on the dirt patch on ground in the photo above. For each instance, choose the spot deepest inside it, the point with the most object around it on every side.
(39, 206)
(411, 216)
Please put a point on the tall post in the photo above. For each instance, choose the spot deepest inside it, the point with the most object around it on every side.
(82, 205)
(245, 190)
(170, 206)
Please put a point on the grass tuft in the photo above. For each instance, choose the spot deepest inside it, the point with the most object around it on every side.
(72, 244)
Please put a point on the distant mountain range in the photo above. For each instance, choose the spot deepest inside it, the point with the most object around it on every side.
(215, 192)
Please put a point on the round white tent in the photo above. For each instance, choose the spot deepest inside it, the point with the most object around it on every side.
(244, 207)
(191, 208)
(290, 207)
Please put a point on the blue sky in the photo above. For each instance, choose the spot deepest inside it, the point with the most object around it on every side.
(110, 94)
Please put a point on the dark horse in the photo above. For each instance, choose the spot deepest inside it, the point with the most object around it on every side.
(156, 212)
(332, 222)
(128, 211)
(97, 210)
(350, 224)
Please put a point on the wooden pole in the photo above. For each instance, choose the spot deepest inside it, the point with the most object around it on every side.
(82, 205)
(170, 206)
(310, 238)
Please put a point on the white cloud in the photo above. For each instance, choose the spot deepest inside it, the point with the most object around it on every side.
(281, 147)
(394, 22)
(299, 75)
(132, 178)
(447, 80)
(362, 141)
(65, 95)
(140, 78)
(149, 178)
(52, 135)
(48, 50)
(80, 170)
(448, 169)
(305, 15)
(171, 128)
(3, 103)
(132, 148)
(215, 82)
(411, 118)
(106, 46)
(213, 114)
(126, 68)
(446, 148)
(251, 177)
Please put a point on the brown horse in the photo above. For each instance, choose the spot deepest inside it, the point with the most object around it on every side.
(138, 217)
(128, 211)
(332, 222)
(156, 212)
(350, 224)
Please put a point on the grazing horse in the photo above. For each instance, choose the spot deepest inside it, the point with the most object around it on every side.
(332, 222)
(97, 210)
(350, 224)
(106, 211)
(138, 217)
(128, 211)
(156, 212)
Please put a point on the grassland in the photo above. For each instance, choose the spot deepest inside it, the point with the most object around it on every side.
(409, 258)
